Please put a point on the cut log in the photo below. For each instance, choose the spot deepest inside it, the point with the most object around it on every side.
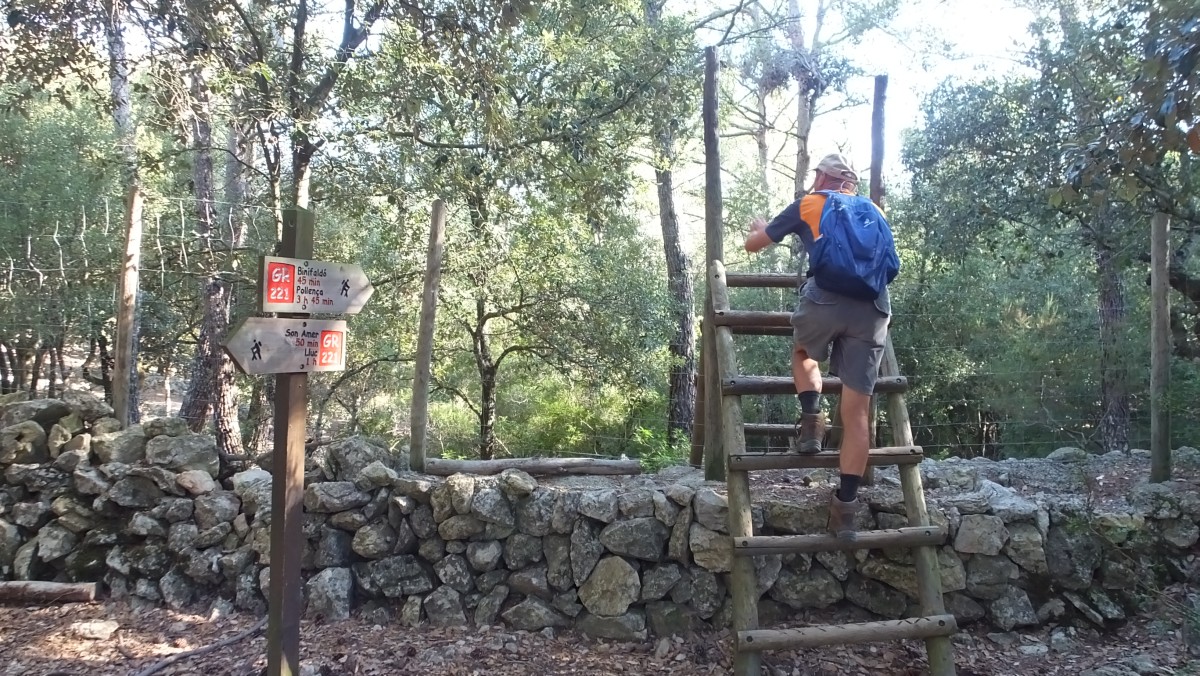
(48, 592)
(535, 466)
(844, 634)
(870, 539)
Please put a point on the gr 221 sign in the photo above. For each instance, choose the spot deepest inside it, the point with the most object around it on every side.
(296, 285)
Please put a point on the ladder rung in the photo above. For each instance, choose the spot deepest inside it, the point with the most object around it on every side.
(752, 318)
(762, 330)
(913, 536)
(758, 640)
(770, 430)
(888, 455)
(785, 385)
(764, 280)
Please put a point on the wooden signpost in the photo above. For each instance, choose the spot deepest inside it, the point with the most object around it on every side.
(291, 346)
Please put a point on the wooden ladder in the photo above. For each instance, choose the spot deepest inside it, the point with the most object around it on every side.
(935, 625)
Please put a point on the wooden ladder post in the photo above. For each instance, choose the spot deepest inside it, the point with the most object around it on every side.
(743, 580)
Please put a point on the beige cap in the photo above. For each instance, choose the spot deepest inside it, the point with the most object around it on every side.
(837, 166)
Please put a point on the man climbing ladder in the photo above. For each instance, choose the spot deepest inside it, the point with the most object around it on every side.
(842, 315)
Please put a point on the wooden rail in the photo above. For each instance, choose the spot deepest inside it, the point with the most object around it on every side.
(534, 466)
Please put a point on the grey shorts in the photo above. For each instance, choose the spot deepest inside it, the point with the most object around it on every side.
(849, 333)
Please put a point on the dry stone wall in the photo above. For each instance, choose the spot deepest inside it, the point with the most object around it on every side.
(146, 511)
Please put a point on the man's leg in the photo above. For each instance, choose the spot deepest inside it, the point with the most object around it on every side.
(852, 461)
(806, 373)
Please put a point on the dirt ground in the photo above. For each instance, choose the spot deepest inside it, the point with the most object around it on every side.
(114, 639)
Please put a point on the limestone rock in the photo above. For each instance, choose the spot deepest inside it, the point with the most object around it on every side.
(189, 451)
(612, 587)
(394, 577)
(176, 589)
(44, 412)
(876, 597)
(707, 592)
(557, 550)
(460, 527)
(1026, 548)
(1068, 454)
(522, 550)
(125, 446)
(484, 556)
(669, 619)
(170, 427)
(86, 405)
(636, 503)
(23, 443)
(135, 492)
(489, 606)
(374, 541)
(964, 608)
(334, 496)
(334, 548)
(787, 517)
(490, 506)
(599, 505)
(981, 534)
(628, 627)
(1007, 504)
(534, 614)
(461, 489)
(412, 485)
(665, 510)
(988, 577)
(54, 542)
(454, 572)
(196, 482)
(535, 511)
(566, 512)
(1012, 609)
(681, 494)
(711, 510)
(56, 439)
(531, 582)
(586, 549)
(330, 594)
(711, 550)
(253, 487)
(813, 589)
(643, 538)
(658, 581)
(1072, 556)
(344, 460)
(216, 507)
(678, 546)
(374, 476)
(517, 484)
(106, 425)
(1181, 533)
(444, 608)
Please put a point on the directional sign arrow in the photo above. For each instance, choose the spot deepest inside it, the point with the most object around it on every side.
(261, 345)
(296, 285)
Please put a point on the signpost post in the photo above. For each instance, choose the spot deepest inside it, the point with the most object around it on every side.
(291, 346)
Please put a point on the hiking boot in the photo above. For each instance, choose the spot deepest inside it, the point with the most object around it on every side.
(841, 518)
(811, 428)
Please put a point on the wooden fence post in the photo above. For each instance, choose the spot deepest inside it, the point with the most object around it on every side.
(1160, 350)
(714, 452)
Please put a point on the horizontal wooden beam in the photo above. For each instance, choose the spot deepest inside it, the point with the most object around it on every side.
(535, 466)
(48, 592)
(762, 330)
(838, 634)
(888, 455)
(743, 385)
(764, 280)
(825, 542)
(770, 430)
(752, 318)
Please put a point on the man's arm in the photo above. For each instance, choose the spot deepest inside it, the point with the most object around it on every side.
(763, 234)
(758, 239)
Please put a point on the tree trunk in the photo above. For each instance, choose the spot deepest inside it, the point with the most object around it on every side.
(487, 414)
(5, 374)
(35, 373)
(124, 386)
(1114, 376)
(682, 397)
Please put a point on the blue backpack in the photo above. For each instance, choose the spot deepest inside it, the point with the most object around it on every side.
(855, 254)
